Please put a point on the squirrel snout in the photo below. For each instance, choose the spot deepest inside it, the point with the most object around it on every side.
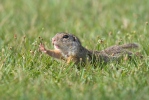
(53, 40)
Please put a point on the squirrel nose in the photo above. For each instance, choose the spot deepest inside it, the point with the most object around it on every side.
(53, 39)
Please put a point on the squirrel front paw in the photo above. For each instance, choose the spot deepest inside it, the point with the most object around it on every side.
(42, 48)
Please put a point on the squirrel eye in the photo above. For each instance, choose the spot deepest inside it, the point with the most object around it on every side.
(65, 36)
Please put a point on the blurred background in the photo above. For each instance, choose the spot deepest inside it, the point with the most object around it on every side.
(110, 20)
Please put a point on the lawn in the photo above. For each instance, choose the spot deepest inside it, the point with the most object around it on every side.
(27, 74)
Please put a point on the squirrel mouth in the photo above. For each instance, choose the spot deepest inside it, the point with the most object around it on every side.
(56, 46)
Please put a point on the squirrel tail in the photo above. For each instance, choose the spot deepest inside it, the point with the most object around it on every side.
(130, 46)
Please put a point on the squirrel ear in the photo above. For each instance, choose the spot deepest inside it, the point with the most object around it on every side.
(76, 39)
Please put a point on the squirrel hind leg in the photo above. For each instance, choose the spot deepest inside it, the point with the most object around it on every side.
(129, 53)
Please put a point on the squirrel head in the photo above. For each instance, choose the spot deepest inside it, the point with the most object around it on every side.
(67, 43)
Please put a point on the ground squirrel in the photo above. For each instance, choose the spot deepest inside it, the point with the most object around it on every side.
(69, 48)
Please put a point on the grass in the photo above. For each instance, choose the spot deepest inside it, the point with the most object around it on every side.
(26, 74)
